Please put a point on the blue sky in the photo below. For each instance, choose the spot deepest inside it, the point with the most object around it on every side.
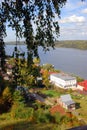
(73, 22)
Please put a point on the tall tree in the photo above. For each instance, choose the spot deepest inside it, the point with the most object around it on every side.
(2, 44)
(35, 21)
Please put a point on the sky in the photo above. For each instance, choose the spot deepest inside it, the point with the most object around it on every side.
(73, 22)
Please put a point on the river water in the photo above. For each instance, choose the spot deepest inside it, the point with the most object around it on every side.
(66, 59)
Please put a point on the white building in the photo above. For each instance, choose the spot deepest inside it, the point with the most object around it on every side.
(63, 80)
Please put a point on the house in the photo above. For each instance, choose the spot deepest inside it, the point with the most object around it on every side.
(82, 85)
(63, 80)
(66, 102)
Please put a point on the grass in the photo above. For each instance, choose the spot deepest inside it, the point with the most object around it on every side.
(25, 125)
(82, 108)
(21, 124)
(51, 93)
(8, 123)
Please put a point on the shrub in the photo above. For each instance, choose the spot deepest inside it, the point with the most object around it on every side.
(42, 116)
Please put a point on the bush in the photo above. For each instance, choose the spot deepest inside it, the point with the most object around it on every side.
(42, 116)
(25, 113)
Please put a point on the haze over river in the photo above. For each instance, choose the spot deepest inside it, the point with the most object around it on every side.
(65, 59)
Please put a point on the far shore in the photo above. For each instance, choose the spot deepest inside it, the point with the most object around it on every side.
(76, 44)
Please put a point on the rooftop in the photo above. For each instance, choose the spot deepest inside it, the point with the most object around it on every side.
(83, 83)
(64, 76)
(67, 99)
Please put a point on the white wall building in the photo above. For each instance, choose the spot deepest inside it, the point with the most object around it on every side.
(63, 80)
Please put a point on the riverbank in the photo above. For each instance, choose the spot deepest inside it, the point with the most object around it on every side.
(76, 44)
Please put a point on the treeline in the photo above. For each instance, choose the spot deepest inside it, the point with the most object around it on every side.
(77, 44)
(14, 43)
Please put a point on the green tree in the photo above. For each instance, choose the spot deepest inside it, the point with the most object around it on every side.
(18, 103)
(33, 20)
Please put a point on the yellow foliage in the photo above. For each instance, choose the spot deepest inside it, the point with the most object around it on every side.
(7, 95)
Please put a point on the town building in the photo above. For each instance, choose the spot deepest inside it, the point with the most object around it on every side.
(63, 80)
(66, 102)
(82, 85)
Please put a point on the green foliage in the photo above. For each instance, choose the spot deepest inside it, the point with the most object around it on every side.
(19, 110)
(58, 117)
(52, 93)
(16, 11)
(42, 116)
(17, 97)
(79, 79)
(45, 77)
(22, 113)
(48, 67)
(29, 80)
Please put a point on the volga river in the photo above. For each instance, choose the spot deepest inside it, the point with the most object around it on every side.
(66, 59)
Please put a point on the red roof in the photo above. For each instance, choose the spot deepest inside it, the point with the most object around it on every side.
(84, 84)
(57, 108)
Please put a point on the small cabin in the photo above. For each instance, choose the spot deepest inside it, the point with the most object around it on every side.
(66, 102)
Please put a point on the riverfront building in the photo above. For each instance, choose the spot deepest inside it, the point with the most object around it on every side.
(63, 80)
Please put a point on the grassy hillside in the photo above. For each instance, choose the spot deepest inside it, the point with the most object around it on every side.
(78, 44)
(27, 126)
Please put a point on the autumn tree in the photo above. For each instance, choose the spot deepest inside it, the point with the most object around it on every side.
(45, 77)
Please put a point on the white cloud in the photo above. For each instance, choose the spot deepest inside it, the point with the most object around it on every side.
(73, 19)
(84, 11)
(73, 32)
(84, 33)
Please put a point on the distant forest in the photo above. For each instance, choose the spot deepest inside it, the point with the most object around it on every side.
(14, 43)
(77, 44)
